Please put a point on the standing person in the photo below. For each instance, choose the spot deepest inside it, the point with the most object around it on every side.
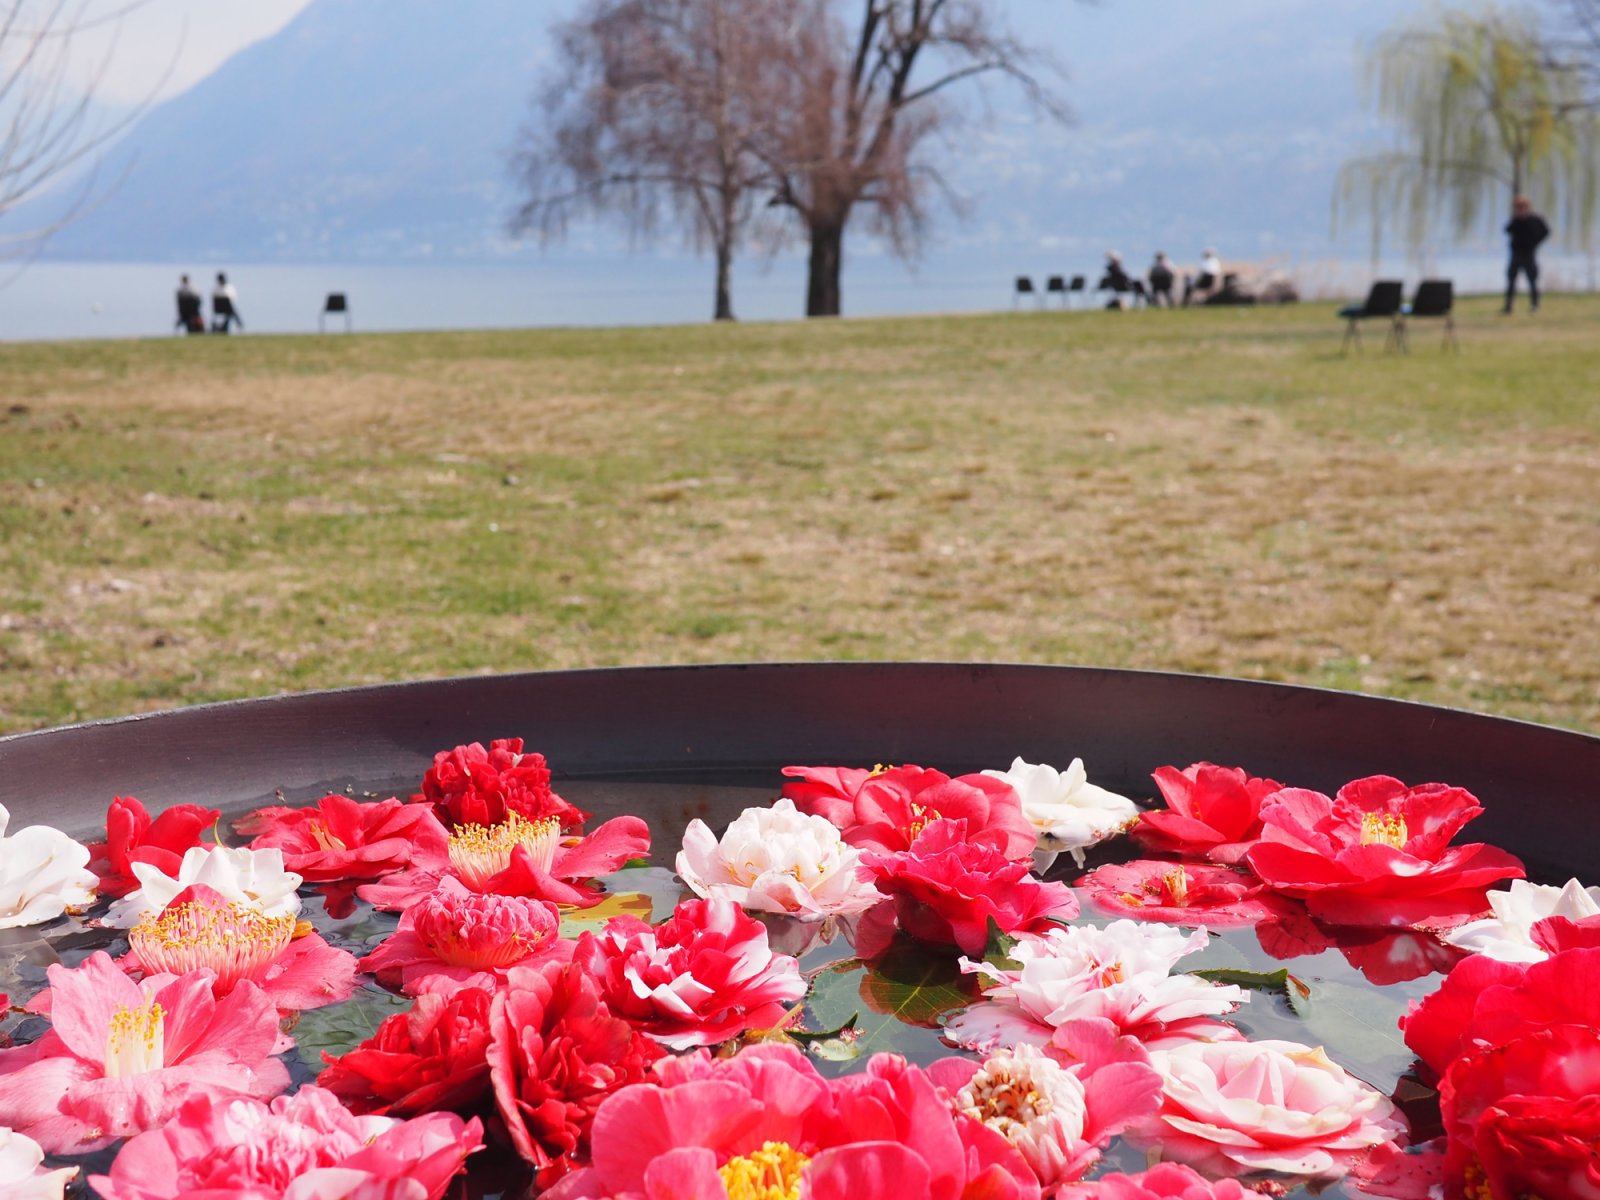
(189, 318)
(1210, 276)
(224, 305)
(1525, 230)
(1161, 281)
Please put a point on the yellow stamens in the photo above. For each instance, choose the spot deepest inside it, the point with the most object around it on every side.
(878, 769)
(135, 1041)
(770, 1173)
(1111, 974)
(1177, 882)
(480, 852)
(1007, 1101)
(234, 940)
(1388, 829)
(323, 838)
(921, 818)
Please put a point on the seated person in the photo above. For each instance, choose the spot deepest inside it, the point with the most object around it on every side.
(1209, 279)
(189, 318)
(1161, 280)
(1115, 279)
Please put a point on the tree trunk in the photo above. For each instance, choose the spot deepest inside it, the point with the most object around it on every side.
(822, 277)
(724, 310)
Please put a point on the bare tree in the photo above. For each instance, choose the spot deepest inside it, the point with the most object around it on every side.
(863, 113)
(1486, 112)
(653, 117)
(47, 130)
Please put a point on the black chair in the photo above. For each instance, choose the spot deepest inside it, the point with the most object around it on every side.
(335, 303)
(1056, 285)
(1076, 287)
(1025, 288)
(1382, 301)
(223, 314)
(1434, 298)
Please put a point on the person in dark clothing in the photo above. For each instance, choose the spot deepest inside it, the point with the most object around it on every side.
(1526, 230)
(1161, 279)
(189, 318)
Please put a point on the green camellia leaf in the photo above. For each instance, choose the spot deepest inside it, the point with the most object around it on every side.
(340, 1028)
(1296, 991)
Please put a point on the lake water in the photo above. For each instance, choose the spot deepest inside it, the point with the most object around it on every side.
(49, 300)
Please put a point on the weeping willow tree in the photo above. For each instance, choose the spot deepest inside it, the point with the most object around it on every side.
(1485, 112)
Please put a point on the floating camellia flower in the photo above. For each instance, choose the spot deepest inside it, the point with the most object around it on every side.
(459, 938)
(1240, 1106)
(1508, 934)
(43, 873)
(702, 976)
(947, 888)
(300, 1147)
(236, 942)
(1121, 974)
(1164, 1181)
(23, 1175)
(254, 878)
(431, 1058)
(1213, 812)
(885, 810)
(519, 857)
(341, 839)
(132, 835)
(777, 860)
(1183, 893)
(557, 1051)
(470, 785)
(121, 1057)
(1067, 812)
(1060, 1118)
(1379, 854)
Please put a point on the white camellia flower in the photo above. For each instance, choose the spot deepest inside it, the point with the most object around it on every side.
(1066, 811)
(776, 860)
(22, 1172)
(255, 878)
(43, 873)
(1508, 935)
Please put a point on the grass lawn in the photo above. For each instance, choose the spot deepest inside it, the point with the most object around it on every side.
(185, 520)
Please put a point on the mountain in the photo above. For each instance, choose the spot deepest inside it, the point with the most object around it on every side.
(378, 130)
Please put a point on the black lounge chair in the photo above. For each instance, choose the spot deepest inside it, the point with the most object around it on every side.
(1382, 301)
(1434, 298)
(1025, 288)
(1056, 285)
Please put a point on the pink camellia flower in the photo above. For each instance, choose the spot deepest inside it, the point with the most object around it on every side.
(1379, 854)
(518, 857)
(887, 809)
(1164, 1181)
(133, 836)
(702, 976)
(300, 1147)
(1059, 1116)
(433, 1058)
(342, 839)
(947, 888)
(764, 1123)
(1121, 974)
(238, 942)
(1182, 894)
(122, 1057)
(557, 1051)
(23, 1175)
(457, 937)
(1240, 1107)
(1212, 812)
(473, 786)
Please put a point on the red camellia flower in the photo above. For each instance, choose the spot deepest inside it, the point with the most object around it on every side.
(1384, 956)
(556, 1051)
(1212, 812)
(342, 839)
(1182, 894)
(473, 786)
(433, 1058)
(1378, 854)
(1486, 1002)
(885, 810)
(1523, 1119)
(702, 976)
(132, 836)
(947, 888)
